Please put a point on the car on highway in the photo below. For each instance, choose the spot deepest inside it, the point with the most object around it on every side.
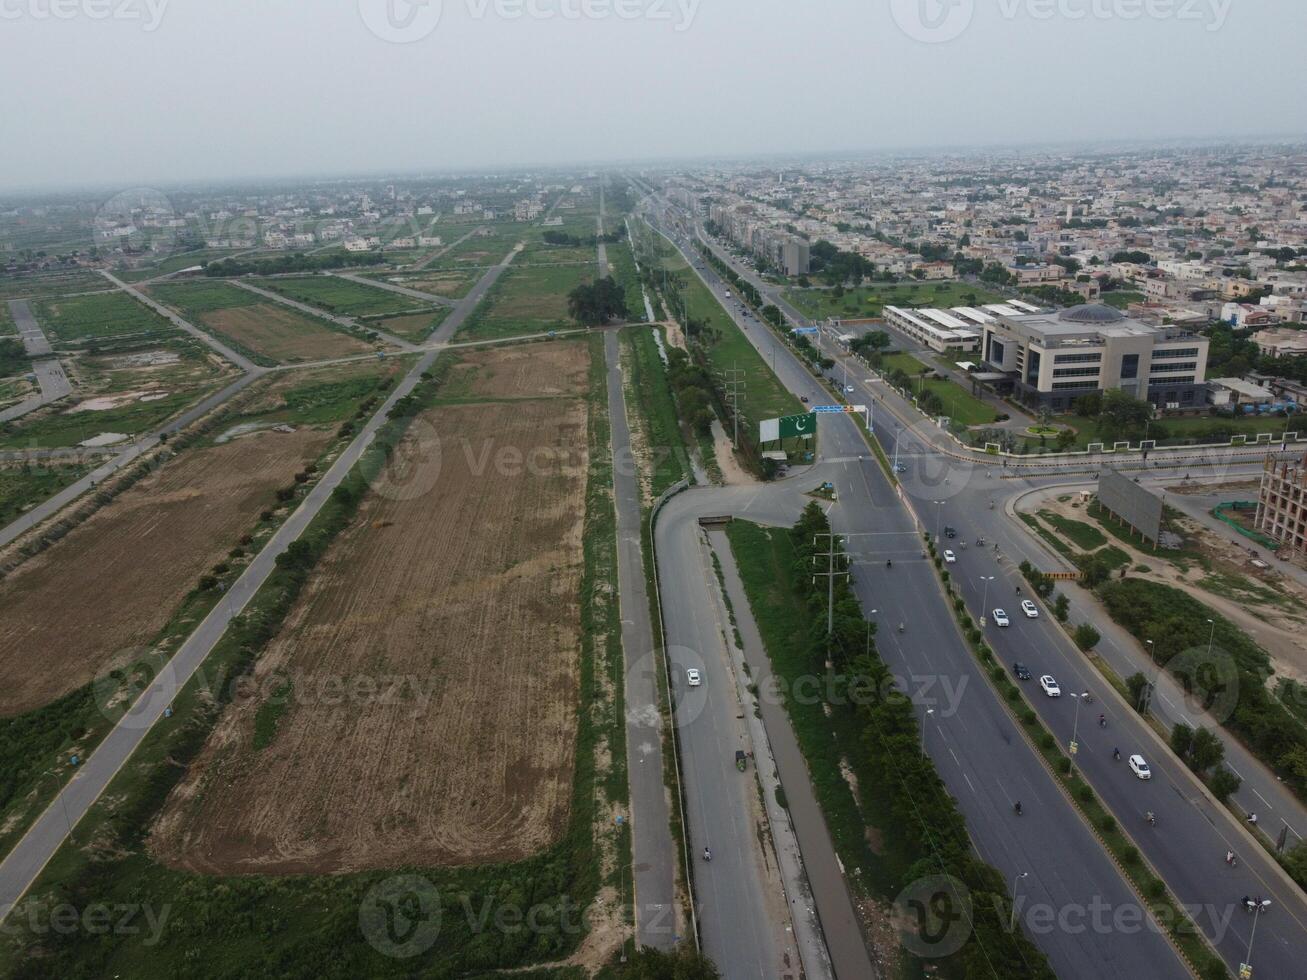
(1000, 618)
(1030, 609)
(1050, 686)
(900, 467)
(949, 558)
(848, 389)
(693, 678)
(804, 399)
(1021, 671)
(1140, 768)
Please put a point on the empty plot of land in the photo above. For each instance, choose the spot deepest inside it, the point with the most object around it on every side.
(451, 283)
(414, 326)
(340, 296)
(558, 368)
(451, 617)
(112, 583)
(530, 299)
(260, 326)
(104, 316)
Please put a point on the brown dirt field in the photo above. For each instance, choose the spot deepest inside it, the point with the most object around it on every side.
(282, 334)
(469, 594)
(557, 368)
(114, 581)
(416, 326)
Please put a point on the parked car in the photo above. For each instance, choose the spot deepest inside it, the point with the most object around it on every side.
(1140, 768)
(1050, 686)
(949, 558)
(1021, 671)
(1030, 609)
(1000, 618)
(692, 677)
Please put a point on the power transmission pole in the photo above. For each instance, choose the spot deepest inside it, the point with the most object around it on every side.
(732, 381)
(830, 574)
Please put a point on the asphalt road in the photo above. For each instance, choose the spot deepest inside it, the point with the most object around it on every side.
(29, 856)
(54, 384)
(980, 752)
(431, 299)
(1193, 833)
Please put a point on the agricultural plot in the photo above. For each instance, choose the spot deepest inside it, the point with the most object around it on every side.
(456, 590)
(483, 250)
(341, 296)
(114, 318)
(540, 253)
(271, 333)
(7, 328)
(528, 300)
(23, 487)
(316, 396)
(175, 263)
(51, 284)
(111, 583)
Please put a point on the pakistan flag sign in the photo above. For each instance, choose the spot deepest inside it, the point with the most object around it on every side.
(789, 427)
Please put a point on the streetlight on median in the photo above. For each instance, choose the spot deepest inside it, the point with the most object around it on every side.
(1075, 730)
(929, 712)
(939, 505)
(1211, 637)
(1012, 921)
(984, 605)
(1152, 657)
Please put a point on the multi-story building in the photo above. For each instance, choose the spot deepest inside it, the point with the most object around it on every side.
(1282, 503)
(1051, 359)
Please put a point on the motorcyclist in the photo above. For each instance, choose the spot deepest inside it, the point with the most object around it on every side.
(1116, 754)
(1102, 721)
(889, 562)
(1151, 818)
(707, 854)
(901, 627)
(1017, 807)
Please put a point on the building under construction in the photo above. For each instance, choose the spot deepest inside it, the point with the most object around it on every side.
(1282, 503)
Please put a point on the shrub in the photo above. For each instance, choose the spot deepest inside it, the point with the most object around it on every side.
(1108, 824)
(1130, 855)
(1064, 765)
(1086, 637)
(1224, 783)
(207, 582)
(1085, 794)
(1047, 742)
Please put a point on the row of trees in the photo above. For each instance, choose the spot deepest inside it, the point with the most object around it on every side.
(922, 816)
(577, 241)
(834, 266)
(293, 262)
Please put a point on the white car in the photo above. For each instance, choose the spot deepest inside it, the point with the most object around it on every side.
(1050, 686)
(692, 677)
(848, 389)
(1000, 618)
(1030, 609)
(949, 558)
(1140, 768)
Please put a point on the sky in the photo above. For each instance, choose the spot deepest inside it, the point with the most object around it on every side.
(129, 92)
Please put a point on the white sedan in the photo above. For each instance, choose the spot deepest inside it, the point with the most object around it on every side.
(949, 558)
(1140, 768)
(1000, 618)
(692, 677)
(1030, 609)
(1050, 686)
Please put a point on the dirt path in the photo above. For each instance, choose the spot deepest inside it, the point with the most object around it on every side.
(733, 474)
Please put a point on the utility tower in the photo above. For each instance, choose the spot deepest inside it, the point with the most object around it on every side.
(832, 571)
(732, 382)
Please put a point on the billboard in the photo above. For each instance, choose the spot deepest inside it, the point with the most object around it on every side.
(789, 427)
(1138, 507)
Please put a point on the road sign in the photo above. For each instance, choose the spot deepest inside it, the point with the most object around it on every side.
(806, 331)
(840, 410)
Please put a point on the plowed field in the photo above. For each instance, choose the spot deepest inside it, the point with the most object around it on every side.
(112, 583)
(419, 706)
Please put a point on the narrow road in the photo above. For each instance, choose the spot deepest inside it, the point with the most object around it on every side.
(49, 372)
(391, 287)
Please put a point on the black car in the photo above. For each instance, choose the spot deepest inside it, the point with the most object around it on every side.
(1021, 670)
(950, 532)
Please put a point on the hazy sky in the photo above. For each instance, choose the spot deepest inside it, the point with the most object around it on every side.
(133, 91)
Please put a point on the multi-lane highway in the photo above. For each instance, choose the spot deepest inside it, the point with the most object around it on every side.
(1193, 833)
(981, 753)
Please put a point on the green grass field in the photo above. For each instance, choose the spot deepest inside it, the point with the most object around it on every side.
(1122, 298)
(7, 328)
(51, 284)
(340, 296)
(870, 301)
(104, 316)
(959, 404)
(202, 296)
(175, 263)
(528, 300)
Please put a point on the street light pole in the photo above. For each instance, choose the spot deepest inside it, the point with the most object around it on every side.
(929, 712)
(984, 605)
(1075, 730)
(1012, 921)
(1152, 656)
(1211, 637)
(939, 505)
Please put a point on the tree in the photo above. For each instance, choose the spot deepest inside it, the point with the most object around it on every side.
(1136, 684)
(1062, 608)
(1182, 740)
(594, 304)
(1224, 783)
(1206, 752)
(1086, 637)
(1122, 416)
